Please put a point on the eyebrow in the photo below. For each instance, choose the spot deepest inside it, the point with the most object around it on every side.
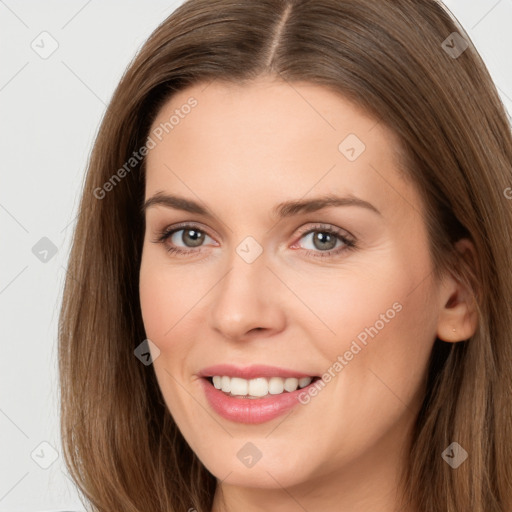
(282, 210)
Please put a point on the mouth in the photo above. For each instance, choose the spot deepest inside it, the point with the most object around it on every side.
(257, 399)
(254, 394)
(258, 387)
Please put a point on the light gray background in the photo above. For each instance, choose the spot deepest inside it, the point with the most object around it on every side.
(51, 109)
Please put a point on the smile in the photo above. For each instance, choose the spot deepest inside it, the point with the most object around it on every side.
(254, 394)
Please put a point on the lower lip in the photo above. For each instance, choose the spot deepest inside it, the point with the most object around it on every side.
(249, 410)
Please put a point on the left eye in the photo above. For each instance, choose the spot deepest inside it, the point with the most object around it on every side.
(323, 240)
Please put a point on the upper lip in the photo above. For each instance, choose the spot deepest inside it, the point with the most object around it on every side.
(251, 372)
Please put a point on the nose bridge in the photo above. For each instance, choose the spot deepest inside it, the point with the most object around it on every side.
(244, 283)
(245, 298)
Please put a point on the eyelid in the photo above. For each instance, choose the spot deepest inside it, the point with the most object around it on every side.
(327, 227)
(168, 231)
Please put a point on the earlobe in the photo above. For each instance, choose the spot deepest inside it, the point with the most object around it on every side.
(458, 316)
(458, 322)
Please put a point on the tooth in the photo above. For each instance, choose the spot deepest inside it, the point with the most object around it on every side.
(239, 386)
(275, 385)
(226, 384)
(258, 387)
(304, 381)
(291, 384)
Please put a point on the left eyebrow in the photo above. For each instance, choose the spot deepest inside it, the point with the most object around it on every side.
(284, 209)
(290, 208)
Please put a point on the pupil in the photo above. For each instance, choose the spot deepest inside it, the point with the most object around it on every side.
(324, 238)
(194, 236)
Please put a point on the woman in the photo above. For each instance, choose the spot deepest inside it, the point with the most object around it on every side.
(289, 286)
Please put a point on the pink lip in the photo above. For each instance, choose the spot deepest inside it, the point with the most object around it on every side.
(251, 372)
(248, 410)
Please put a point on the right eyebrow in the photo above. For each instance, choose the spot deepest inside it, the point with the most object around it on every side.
(178, 203)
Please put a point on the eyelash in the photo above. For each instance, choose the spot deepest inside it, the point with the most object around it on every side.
(350, 244)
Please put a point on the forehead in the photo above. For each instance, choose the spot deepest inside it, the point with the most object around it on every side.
(274, 140)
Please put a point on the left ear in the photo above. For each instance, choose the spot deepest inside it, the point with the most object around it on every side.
(458, 315)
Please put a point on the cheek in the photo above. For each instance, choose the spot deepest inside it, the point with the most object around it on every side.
(154, 302)
(381, 331)
(164, 296)
(170, 301)
(385, 332)
(164, 304)
(352, 302)
(385, 300)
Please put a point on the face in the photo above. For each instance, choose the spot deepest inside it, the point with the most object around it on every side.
(290, 268)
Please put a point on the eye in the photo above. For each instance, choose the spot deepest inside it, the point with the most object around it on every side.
(190, 237)
(326, 241)
(323, 240)
(184, 239)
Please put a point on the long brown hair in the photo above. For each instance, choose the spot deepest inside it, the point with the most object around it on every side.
(390, 57)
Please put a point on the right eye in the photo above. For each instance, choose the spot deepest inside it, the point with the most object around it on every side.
(183, 239)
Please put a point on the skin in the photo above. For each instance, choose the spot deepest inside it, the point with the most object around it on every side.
(241, 151)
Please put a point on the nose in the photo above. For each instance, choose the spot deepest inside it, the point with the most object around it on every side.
(247, 301)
